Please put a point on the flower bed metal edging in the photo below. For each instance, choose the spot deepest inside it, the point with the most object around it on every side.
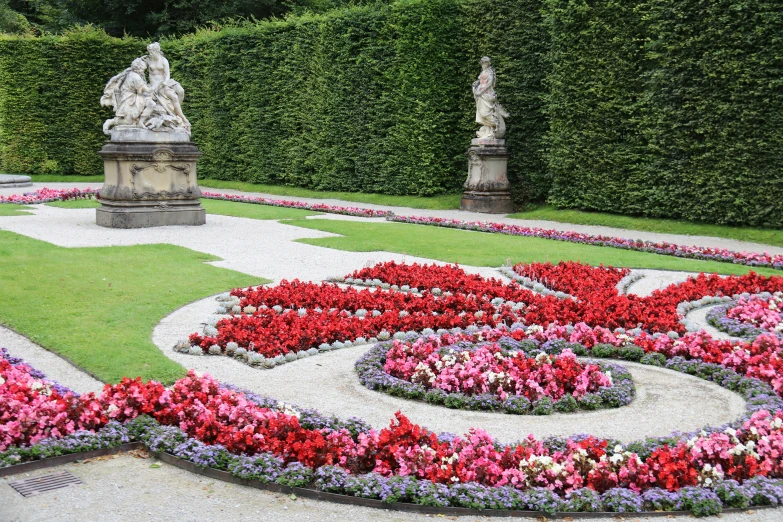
(49, 462)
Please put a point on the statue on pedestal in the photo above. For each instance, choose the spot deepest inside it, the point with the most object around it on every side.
(489, 113)
(487, 188)
(149, 163)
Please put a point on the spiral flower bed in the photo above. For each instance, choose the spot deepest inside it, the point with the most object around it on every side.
(273, 325)
(750, 316)
(490, 370)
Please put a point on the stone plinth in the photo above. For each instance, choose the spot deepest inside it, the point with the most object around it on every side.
(487, 188)
(14, 180)
(149, 184)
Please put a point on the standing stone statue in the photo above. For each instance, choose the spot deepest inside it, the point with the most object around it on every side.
(150, 162)
(487, 188)
(489, 113)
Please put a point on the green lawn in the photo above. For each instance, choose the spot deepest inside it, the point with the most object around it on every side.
(214, 206)
(98, 306)
(484, 249)
(75, 203)
(54, 178)
(10, 209)
(666, 226)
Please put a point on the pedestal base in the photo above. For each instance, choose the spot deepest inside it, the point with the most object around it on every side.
(495, 202)
(149, 214)
(149, 184)
(487, 189)
(15, 180)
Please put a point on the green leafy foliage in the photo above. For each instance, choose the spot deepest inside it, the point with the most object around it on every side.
(663, 108)
(667, 108)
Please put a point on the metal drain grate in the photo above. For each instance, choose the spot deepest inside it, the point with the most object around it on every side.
(44, 483)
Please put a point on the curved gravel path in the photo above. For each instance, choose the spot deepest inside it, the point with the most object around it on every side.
(664, 403)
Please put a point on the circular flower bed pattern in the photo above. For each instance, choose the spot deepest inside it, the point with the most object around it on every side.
(750, 316)
(217, 426)
(492, 370)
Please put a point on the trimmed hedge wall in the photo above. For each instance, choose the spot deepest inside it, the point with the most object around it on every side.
(649, 107)
(668, 108)
(50, 115)
(371, 98)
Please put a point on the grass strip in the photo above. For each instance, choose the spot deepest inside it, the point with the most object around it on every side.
(10, 209)
(482, 249)
(665, 226)
(98, 306)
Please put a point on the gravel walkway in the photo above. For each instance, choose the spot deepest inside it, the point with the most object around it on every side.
(703, 241)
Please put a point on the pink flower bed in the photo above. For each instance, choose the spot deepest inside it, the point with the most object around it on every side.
(31, 409)
(764, 313)
(488, 370)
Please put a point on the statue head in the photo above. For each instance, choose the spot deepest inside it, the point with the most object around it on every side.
(139, 65)
(485, 62)
(154, 49)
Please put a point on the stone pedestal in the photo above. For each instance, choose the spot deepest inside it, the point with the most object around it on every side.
(15, 180)
(487, 188)
(150, 184)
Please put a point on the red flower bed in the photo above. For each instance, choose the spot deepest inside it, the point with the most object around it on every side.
(214, 415)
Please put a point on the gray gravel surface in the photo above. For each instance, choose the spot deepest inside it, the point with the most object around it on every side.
(263, 248)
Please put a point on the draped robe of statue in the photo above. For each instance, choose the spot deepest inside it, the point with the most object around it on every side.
(489, 113)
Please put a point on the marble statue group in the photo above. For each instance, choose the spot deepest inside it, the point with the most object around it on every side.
(155, 105)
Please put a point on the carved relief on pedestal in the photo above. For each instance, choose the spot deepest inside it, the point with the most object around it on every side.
(146, 184)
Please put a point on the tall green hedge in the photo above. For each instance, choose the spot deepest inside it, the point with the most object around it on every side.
(668, 108)
(649, 107)
(50, 117)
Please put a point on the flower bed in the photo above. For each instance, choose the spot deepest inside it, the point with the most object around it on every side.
(260, 439)
(750, 316)
(45, 195)
(272, 325)
(489, 370)
(764, 259)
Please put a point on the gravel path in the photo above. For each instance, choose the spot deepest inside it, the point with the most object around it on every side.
(262, 248)
(473, 216)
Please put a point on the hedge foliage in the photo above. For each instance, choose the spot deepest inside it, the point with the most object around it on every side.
(650, 107)
(668, 108)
